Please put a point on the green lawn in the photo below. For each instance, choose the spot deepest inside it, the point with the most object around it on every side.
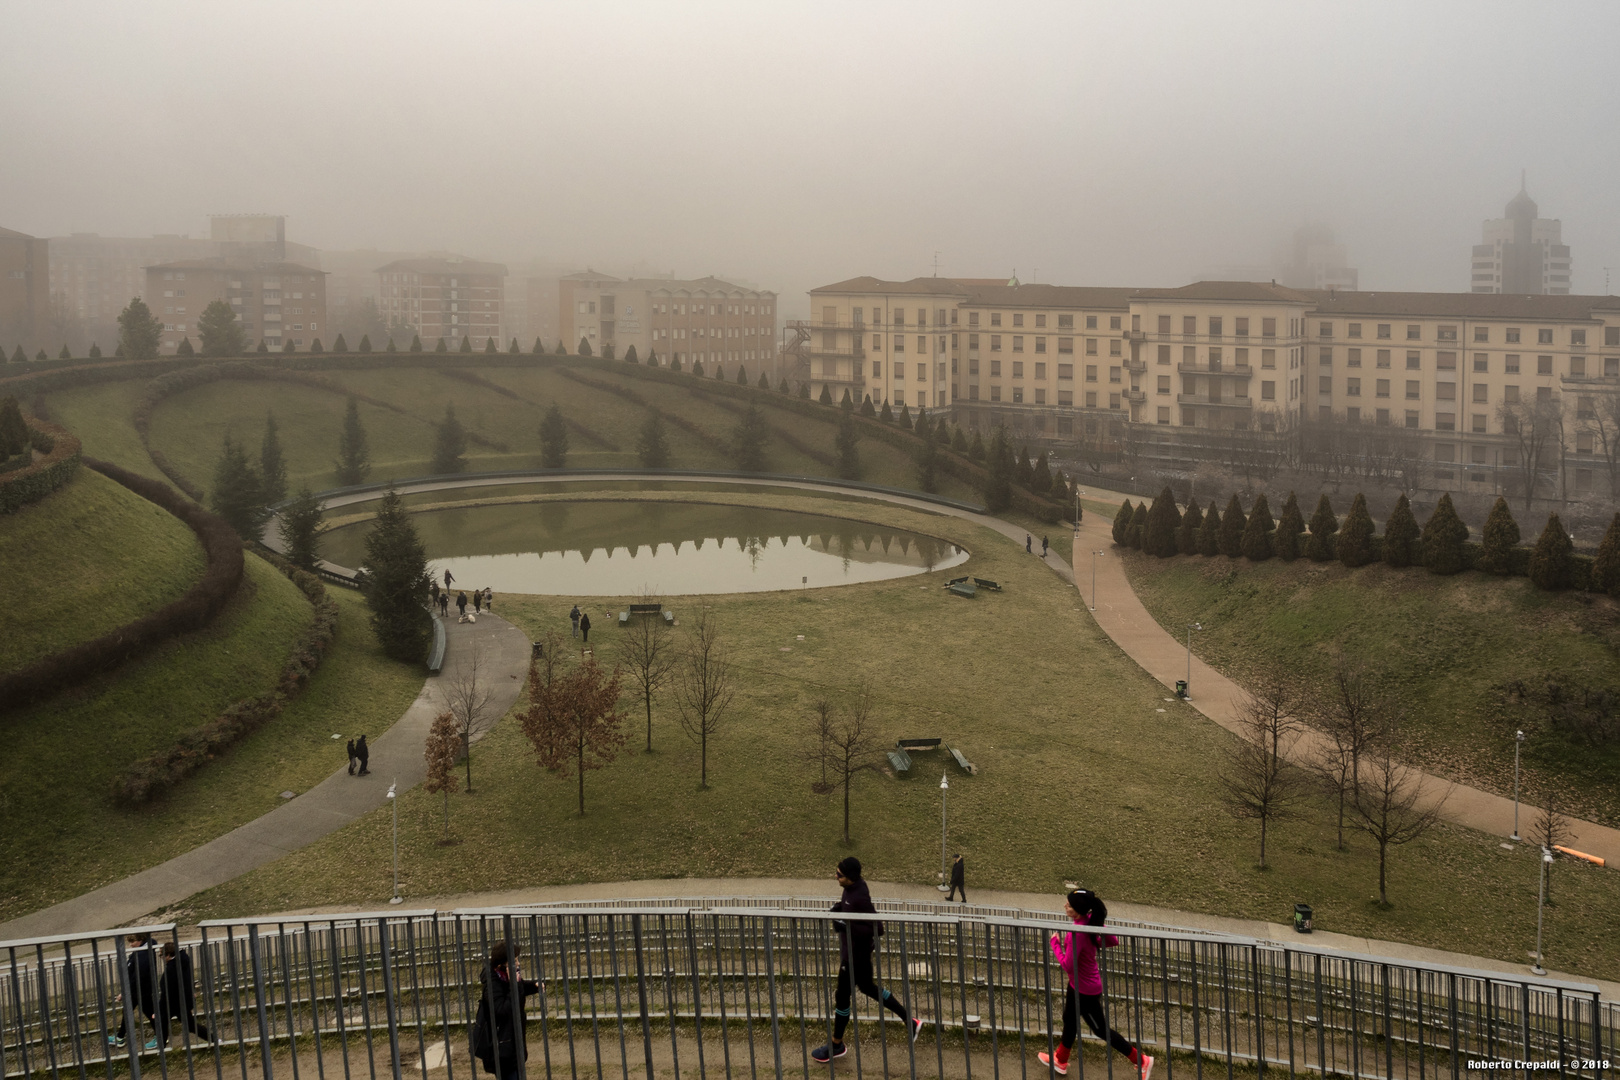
(88, 559)
(101, 417)
(1082, 776)
(1446, 646)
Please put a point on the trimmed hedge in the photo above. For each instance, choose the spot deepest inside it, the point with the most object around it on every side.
(156, 773)
(33, 482)
(200, 605)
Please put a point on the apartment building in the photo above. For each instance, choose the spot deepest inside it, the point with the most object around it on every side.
(448, 297)
(1521, 253)
(25, 274)
(276, 302)
(701, 319)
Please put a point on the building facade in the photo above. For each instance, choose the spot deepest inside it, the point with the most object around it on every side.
(699, 320)
(447, 297)
(1521, 253)
(276, 302)
(25, 279)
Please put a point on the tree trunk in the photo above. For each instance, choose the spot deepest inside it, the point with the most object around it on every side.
(581, 768)
(648, 697)
(1341, 817)
(466, 751)
(447, 814)
(704, 754)
(846, 807)
(1383, 850)
(1262, 841)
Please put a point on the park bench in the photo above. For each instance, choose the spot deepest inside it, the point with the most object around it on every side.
(967, 766)
(956, 581)
(963, 588)
(918, 744)
(646, 609)
(985, 583)
(900, 760)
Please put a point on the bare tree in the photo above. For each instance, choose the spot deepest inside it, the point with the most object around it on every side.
(1600, 418)
(1388, 798)
(1259, 783)
(1355, 719)
(846, 743)
(442, 749)
(820, 740)
(573, 719)
(467, 696)
(1534, 427)
(704, 685)
(647, 651)
(1551, 829)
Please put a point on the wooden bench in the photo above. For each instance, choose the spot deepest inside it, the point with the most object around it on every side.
(967, 766)
(646, 609)
(900, 760)
(963, 588)
(985, 583)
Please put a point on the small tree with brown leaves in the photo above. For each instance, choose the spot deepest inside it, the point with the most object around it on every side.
(442, 750)
(1389, 807)
(1551, 830)
(846, 743)
(646, 649)
(573, 719)
(1259, 784)
(705, 685)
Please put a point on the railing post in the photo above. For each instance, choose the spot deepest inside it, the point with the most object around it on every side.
(770, 983)
(258, 995)
(390, 1006)
(641, 994)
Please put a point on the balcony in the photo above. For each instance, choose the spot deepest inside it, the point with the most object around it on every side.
(1137, 396)
(1241, 371)
(1205, 399)
(1138, 366)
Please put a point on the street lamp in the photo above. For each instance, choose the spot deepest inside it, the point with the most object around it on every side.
(395, 803)
(1190, 628)
(944, 819)
(1094, 555)
(1518, 741)
(1541, 904)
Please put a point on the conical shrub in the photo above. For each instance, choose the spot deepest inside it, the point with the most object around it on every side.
(1209, 534)
(1232, 525)
(1319, 545)
(1159, 534)
(1552, 563)
(1139, 524)
(1500, 537)
(1354, 540)
(1256, 542)
(1187, 535)
(1443, 538)
(1122, 522)
(1606, 564)
(1285, 541)
(1400, 535)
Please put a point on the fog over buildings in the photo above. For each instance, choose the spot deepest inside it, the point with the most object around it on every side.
(784, 146)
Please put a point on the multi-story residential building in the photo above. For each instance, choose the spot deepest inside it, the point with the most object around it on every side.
(447, 297)
(1521, 253)
(705, 319)
(276, 302)
(25, 277)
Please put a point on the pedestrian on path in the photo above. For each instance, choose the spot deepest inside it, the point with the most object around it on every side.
(140, 967)
(176, 995)
(496, 1040)
(1076, 955)
(478, 601)
(461, 605)
(958, 879)
(1029, 544)
(444, 604)
(585, 628)
(489, 600)
(573, 617)
(351, 757)
(433, 590)
(448, 577)
(1044, 545)
(363, 753)
(856, 939)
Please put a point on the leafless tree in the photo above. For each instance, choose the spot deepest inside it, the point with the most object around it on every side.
(1551, 829)
(1534, 426)
(820, 738)
(647, 652)
(1259, 783)
(704, 685)
(1601, 420)
(467, 695)
(442, 749)
(1388, 807)
(846, 743)
(1355, 719)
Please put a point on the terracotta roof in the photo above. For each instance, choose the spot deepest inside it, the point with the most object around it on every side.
(443, 266)
(1001, 294)
(1241, 291)
(923, 286)
(220, 262)
(702, 284)
(1460, 305)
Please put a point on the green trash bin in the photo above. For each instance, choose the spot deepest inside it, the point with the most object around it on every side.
(1302, 918)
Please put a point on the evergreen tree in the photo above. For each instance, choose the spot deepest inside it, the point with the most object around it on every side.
(264, 346)
(1232, 525)
(584, 348)
(341, 345)
(764, 381)
(998, 488)
(288, 346)
(1191, 523)
(95, 350)
(804, 391)
(976, 448)
(354, 451)
(20, 357)
(1552, 561)
(846, 404)
(139, 333)
(41, 354)
(749, 440)
(1400, 533)
(630, 356)
(219, 331)
(416, 343)
(959, 442)
(301, 528)
(1443, 537)
(562, 350)
(118, 350)
(742, 375)
(904, 419)
(607, 351)
(466, 344)
(1041, 483)
(1500, 538)
(65, 354)
(539, 347)
(489, 346)
(14, 437)
(1209, 534)
(396, 583)
(1606, 564)
(1256, 541)
(886, 414)
(1122, 522)
(720, 372)
(449, 444)
(1354, 542)
(927, 461)
(553, 439)
(315, 346)
(652, 445)
(942, 433)
(1285, 541)
(184, 349)
(392, 347)
(1023, 472)
(675, 364)
(238, 494)
(867, 409)
(1139, 524)
(365, 343)
(442, 347)
(1319, 545)
(826, 397)
(272, 463)
(849, 458)
(697, 369)
(1159, 535)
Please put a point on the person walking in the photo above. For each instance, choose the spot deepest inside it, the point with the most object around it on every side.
(958, 878)
(140, 967)
(478, 601)
(573, 617)
(351, 757)
(1029, 543)
(448, 577)
(461, 606)
(444, 605)
(856, 940)
(363, 754)
(1076, 954)
(496, 1040)
(1045, 544)
(585, 627)
(176, 996)
(433, 591)
(489, 600)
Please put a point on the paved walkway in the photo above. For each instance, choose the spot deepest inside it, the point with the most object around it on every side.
(1123, 618)
(396, 754)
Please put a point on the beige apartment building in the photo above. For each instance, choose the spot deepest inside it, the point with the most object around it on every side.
(276, 302)
(447, 297)
(25, 275)
(702, 319)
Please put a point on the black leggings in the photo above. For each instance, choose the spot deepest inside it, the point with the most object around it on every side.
(868, 986)
(1090, 1006)
(188, 1021)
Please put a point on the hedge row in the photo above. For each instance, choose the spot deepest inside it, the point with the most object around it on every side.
(31, 483)
(194, 610)
(156, 773)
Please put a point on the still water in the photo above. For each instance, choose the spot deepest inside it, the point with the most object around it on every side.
(673, 549)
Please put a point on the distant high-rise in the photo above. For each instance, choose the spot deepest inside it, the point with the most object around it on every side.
(1316, 260)
(1522, 254)
(25, 275)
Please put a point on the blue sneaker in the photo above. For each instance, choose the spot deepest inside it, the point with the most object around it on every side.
(829, 1052)
(114, 1040)
(151, 1044)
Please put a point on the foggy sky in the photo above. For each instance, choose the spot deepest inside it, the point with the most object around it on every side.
(795, 144)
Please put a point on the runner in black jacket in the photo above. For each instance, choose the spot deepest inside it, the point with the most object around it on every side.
(856, 939)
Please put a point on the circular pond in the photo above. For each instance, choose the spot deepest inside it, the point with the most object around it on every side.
(669, 548)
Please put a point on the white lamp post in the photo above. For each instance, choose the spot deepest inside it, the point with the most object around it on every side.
(944, 821)
(395, 803)
(1094, 555)
(1541, 904)
(1518, 741)
(1190, 628)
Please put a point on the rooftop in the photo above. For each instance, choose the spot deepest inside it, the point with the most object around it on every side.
(443, 265)
(1241, 291)
(1459, 305)
(222, 262)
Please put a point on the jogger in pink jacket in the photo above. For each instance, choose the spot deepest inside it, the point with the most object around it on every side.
(1076, 954)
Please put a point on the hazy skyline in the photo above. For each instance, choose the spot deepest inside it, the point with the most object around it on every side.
(797, 144)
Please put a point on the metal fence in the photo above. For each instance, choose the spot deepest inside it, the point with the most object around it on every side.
(665, 989)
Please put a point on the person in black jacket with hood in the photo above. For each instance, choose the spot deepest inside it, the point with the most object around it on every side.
(140, 963)
(856, 939)
(497, 978)
(176, 994)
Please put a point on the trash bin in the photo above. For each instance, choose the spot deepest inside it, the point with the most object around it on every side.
(1302, 918)
(1181, 688)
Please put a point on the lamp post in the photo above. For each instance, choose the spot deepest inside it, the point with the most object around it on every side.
(944, 821)
(1094, 555)
(1518, 741)
(394, 801)
(1190, 628)
(1541, 904)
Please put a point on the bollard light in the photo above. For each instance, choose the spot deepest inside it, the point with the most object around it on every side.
(394, 801)
(1518, 743)
(944, 822)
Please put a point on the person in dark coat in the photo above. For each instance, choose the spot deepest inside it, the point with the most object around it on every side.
(489, 600)
(1029, 543)
(573, 617)
(1045, 544)
(856, 940)
(351, 757)
(448, 577)
(140, 966)
(176, 998)
(433, 590)
(958, 877)
(444, 604)
(498, 1049)
(478, 601)
(585, 627)
(362, 754)
(461, 605)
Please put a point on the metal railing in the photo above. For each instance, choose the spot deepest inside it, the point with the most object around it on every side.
(655, 988)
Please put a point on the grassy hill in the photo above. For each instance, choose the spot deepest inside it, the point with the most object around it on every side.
(1451, 648)
(86, 560)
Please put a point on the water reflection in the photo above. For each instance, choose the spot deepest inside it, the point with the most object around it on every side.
(623, 548)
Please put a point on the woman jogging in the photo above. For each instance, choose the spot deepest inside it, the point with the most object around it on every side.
(856, 939)
(1076, 954)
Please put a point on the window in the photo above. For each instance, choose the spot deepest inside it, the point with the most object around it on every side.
(1446, 391)
(1444, 421)
(995, 393)
(1240, 357)
(1040, 395)
(1091, 322)
(922, 372)
(1113, 401)
(1543, 393)
(1324, 413)
(1611, 335)
(973, 366)
(877, 369)
(1066, 397)
(1511, 364)
(1268, 390)
(1446, 333)
(1268, 359)
(1214, 359)
(1411, 418)
(1091, 373)
(1510, 394)
(995, 369)
(1164, 384)
(1577, 366)
(1091, 346)
(1040, 320)
(1544, 365)
(1414, 332)
(1268, 327)
(1113, 322)
(1482, 333)
(1352, 387)
(899, 343)
(1413, 390)
(1040, 344)
(1018, 319)
(995, 342)
(1189, 324)
(1040, 370)
(1352, 330)
(1091, 399)
(1381, 388)
(1482, 363)
(1544, 337)
(1189, 356)
(973, 391)
(1065, 371)
(1324, 356)
(1352, 415)
(1065, 322)
(1583, 442)
(1353, 358)
(1611, 366)
(1325, 384)
(1164, 414)
(1445, 361)
(877, 342)
(953, 341)
(995, 318)
(1477, 422)
(1513, 335)
(1240, 327)
(1214, 326)
(1113, 347)
(1383, 331)
(1113, 374)
(973, 342)
(1585, 409)
(1018, 343)
(1482, 393)
(1325, 330)
(973, 318)
(1066, 345)
(1164, 324)
(922, 344)
(1414, 361)
(1018, 369)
